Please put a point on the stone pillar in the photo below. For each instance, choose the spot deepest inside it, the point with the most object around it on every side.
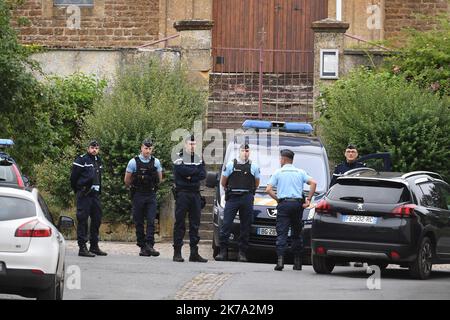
(195, 43)
(328, 34)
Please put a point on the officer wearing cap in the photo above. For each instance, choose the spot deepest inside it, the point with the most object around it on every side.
(351, 156)
(143, 175)
(289, 181)
(86, 181)
(240, 179)
(189, 171)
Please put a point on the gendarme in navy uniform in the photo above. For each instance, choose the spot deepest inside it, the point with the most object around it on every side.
(142, 176)
(86, 181)
(289, 182)
(240, 178)
(350, 163)
(189, 171)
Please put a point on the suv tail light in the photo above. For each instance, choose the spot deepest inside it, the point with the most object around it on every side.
(33, 229)
(323, 207)
(18, 176)
(404, 211)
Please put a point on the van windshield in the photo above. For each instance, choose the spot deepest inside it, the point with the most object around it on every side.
(268, 160)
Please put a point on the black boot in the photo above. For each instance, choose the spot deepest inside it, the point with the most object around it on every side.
(177, 254)
(144, 252)
(223, 255)
(84, 252)
(242, 257)
(280, 263)
(151, 250)
(297, 263)
(96, 250)
(195, 257)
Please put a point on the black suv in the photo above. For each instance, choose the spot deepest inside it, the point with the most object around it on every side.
(383, 218)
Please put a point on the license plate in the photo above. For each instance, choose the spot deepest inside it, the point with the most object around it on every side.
(269, 232)
(359, 219)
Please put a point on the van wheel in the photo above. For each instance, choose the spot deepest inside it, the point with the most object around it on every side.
(322, 265)
(420, 268)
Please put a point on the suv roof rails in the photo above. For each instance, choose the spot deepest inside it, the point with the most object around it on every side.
(349, 172)
(416, 173)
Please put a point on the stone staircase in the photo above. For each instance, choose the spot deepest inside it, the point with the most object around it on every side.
(234, 97)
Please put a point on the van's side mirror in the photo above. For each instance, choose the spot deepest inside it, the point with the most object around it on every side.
(212, 179)
(65, 222)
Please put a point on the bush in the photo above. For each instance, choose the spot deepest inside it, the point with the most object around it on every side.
(149, 99)
(381, 112)
(425, 58)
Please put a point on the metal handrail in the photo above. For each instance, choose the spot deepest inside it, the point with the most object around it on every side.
(365, 41)
(159, 41)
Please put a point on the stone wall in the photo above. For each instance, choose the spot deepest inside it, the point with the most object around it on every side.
(106, 24)
(101, 63)
(357, 58)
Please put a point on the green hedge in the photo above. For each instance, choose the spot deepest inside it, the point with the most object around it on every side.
(385, 113)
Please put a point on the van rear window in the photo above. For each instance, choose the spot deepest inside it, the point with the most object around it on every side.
(382, 192)
(16, 208)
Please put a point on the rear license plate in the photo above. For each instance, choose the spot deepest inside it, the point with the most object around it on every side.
(359, 219)
(269, 232)
(2, 268)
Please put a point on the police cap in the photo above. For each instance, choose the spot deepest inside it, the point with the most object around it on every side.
(147, 143)
(93, 143)
(287, 153)
(244, 146)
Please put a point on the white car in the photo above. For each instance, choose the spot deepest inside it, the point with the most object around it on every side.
(32, 250)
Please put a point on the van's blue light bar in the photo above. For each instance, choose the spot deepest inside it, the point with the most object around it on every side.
(6, 143)
(294, 127)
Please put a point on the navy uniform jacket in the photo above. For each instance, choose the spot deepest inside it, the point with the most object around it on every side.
(194, 169)
(86, 173)
(342, 168)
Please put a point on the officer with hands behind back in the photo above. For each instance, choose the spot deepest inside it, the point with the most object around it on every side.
(189, 171)
(240, 179)
(142, 176)
(86, 180)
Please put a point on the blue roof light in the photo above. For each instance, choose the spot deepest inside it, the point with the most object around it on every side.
(257, 124)
(293, 127)
(6, 143)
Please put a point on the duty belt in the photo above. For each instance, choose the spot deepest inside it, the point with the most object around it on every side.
(290, 199)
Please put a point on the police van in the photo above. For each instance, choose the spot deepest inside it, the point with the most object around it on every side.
(10, 175)
(265, 146)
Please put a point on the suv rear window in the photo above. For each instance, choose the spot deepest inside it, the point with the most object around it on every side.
(382, 192)
(15, 208)
(7, 174)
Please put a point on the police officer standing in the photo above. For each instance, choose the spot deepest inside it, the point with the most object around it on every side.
(289, 182)
(86, 180)
(142, 176)
(188, 170)
(240, 178)
(351, 156)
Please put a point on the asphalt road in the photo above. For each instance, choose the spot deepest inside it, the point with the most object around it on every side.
(123, 275)
(134, 277)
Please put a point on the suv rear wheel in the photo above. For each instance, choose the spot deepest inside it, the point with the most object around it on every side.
(322, 265)
(421, 267)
